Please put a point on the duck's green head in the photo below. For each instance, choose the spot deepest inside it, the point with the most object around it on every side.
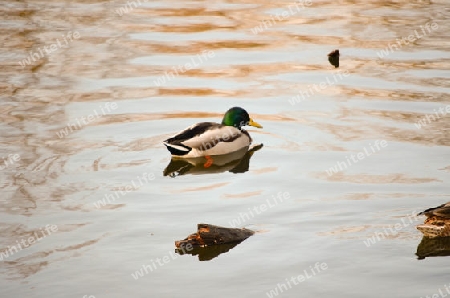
(238, 117)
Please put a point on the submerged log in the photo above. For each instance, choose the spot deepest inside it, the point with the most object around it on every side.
(208, 235)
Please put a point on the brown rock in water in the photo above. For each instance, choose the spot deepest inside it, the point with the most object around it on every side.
(208, 235)
(333, 58)
(437, 223)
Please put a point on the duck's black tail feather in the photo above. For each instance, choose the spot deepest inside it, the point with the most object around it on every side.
(178, 149)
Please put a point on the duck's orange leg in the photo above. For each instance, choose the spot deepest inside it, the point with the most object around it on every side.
(209, 161)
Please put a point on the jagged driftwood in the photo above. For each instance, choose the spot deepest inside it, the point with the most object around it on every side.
(208, 235)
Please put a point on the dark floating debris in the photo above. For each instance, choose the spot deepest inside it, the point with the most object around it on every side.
(212, 235)
(210, 241)
(333, 58)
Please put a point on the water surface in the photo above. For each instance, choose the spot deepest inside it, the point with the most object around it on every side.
(117, 62)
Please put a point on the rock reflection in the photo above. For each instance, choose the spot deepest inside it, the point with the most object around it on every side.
(433, 247)
(209, 252)
(235, 162)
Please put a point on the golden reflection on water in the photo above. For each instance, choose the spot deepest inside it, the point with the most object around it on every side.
(39, 99)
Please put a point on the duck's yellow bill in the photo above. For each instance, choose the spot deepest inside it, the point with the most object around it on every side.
(255, 124)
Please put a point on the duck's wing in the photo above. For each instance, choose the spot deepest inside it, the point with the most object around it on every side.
(441, 211)
(203, 135)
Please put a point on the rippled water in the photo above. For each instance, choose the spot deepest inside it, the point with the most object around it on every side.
(118, 85)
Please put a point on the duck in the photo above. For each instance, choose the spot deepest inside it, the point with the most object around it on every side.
(437, 223)
(206, 139)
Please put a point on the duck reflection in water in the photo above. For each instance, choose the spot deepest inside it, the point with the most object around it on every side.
(235, 162)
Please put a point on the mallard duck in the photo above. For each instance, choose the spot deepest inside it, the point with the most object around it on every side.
(208, 138)
(437, 223)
